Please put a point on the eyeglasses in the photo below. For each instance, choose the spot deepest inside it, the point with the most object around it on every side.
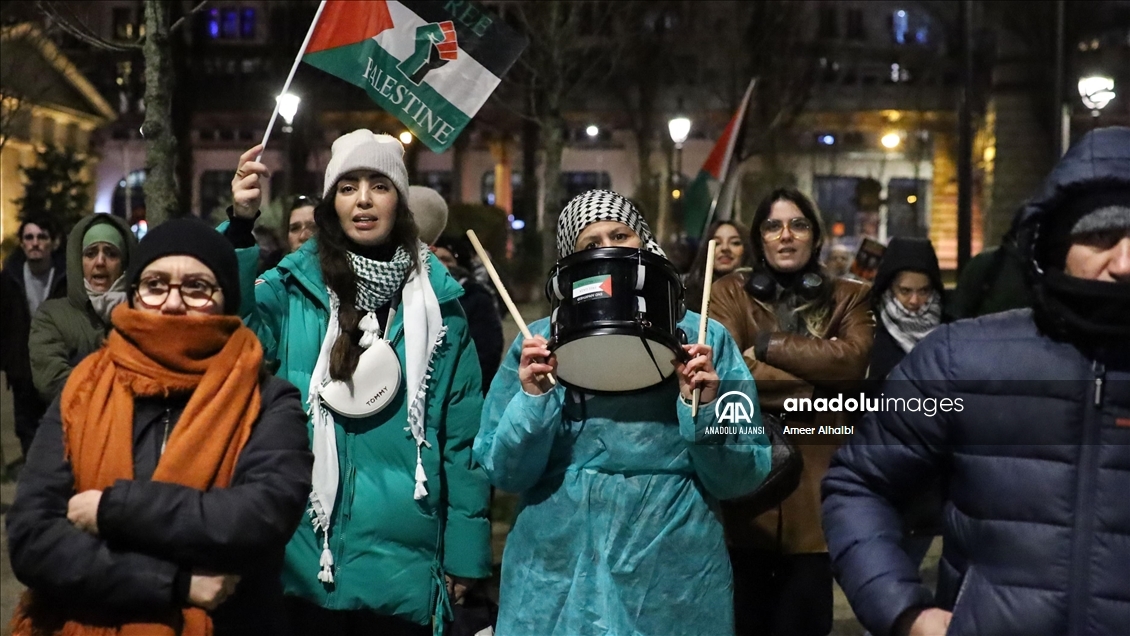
(773, 229)
(39, 237)
(196, 293)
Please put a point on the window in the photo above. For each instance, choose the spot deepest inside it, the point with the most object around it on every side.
(855, 29)
(47, 131)
(488, 186)
(122, 18)
(125, 71)
(128, 201)
(906, 208)
(829, 27)
(212, 24)
(229, 24)
(835, 196)
(900, 26)
(440, 181)
(215, 193)
(247, 24)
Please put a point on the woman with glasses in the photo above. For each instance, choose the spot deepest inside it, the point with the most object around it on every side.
(803, 334)
(366, 321)
(300, 225)
(731, 254)
(165, 481)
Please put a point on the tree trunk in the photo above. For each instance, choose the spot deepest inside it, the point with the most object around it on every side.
(160, 143)
(553, 144)
(182, 108)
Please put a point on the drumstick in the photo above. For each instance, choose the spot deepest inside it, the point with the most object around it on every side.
(710, 247)
(485, 258)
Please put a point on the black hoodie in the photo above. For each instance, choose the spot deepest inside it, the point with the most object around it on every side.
(901, 254)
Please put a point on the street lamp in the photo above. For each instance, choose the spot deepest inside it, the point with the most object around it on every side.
(891, 140)
(405, 137)
(288, 107)
(1096, 91)
(679, 128)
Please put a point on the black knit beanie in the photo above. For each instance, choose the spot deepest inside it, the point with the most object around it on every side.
(195, 238)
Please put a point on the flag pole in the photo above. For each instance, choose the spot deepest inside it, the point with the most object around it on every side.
(725, 172)
(290, 77)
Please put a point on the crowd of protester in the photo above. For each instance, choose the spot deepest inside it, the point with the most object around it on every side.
(299, 429)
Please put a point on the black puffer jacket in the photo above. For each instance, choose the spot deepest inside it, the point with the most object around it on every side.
(153, 534)
(1036, 461)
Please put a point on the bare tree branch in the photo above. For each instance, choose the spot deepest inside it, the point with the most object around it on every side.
(73, 26)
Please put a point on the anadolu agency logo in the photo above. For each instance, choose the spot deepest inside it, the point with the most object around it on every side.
(734, 413)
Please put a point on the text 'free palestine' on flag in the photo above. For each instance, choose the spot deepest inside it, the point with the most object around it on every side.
(432, 64)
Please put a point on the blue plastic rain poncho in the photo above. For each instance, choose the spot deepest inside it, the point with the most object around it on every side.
(618, 530)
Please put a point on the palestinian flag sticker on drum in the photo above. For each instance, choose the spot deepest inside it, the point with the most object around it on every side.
(592, 288)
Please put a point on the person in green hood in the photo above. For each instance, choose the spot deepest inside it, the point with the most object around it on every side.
(366, 322)
(66, 330)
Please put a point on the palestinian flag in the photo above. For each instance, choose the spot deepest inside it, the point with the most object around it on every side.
(702, 199)
(432, 64)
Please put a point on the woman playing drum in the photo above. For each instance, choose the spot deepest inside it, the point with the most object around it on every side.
(618, 530)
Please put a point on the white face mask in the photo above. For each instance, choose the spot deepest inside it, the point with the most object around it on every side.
(373, 386)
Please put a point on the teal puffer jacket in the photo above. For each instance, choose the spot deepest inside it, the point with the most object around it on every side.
(389, 553)
(618, 531)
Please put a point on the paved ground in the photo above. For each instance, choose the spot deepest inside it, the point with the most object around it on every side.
(10, 589)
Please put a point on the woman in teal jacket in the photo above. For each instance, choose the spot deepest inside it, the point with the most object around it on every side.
(397, 504)
(618, 532)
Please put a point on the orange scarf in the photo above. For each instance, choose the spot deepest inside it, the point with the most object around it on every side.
(217, 360)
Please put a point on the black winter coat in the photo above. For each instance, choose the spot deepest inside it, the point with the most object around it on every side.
(153, 534)
(15, 319)
(485, 325)
(1037, 464)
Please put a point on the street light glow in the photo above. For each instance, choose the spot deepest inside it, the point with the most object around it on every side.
(679, 127)
(890, 140)
(405, 137)
(1097, 91)
(288, 106)
(592, 131)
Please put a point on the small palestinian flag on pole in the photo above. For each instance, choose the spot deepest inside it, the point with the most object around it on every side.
(432, 64)
(702, 204)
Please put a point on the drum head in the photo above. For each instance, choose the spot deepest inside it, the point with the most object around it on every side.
(613, 363)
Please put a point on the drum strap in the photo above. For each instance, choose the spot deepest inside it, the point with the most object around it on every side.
(647, 347)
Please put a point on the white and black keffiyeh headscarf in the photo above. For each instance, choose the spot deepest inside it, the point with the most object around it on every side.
(595, 206)
(908, 327)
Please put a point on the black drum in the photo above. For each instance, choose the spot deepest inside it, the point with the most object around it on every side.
(615, 320)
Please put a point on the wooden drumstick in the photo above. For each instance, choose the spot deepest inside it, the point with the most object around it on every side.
(710, 247)
(485, 258)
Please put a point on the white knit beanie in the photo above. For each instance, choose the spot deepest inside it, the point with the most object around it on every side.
(430, 212)
(365, 150)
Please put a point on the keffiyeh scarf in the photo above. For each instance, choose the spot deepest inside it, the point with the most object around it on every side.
(908, 327)
(595, 206)
(378, 281)
(423, 332)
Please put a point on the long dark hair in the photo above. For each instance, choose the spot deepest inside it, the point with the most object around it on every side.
(697, 273)
(816, 312)
(333, 245)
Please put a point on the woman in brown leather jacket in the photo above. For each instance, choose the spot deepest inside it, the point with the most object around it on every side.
(803, 334)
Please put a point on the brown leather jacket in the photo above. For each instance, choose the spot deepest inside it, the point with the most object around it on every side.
(796, 366)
